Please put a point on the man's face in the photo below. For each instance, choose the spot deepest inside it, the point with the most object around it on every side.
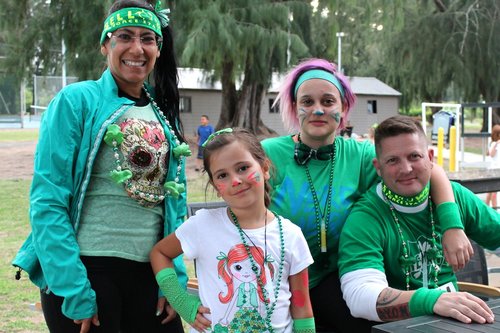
(404, 163)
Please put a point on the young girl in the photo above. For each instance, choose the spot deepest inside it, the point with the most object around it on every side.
(251, 263)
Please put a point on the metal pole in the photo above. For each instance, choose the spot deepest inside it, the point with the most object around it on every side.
(339, 56)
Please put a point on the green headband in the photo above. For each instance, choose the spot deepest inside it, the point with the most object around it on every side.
(131, 17)
(318, 74)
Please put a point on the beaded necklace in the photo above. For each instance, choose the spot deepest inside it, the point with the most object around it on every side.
(269, 307)
(322, 219)
(114, 137)
(432, 254)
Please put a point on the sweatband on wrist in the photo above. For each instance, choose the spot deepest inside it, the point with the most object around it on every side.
(423, 300)
(304, 325)
(184, 303)
(449, 216)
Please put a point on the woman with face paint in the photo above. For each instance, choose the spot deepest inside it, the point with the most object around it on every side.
(109, 183)
(317, 176)
(249, 280)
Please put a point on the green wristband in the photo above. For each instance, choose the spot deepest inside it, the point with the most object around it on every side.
(185, 304)
(423, 300)
(449, 216)
(304, 325)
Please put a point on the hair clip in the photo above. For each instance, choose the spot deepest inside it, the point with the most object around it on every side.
(213, 135)
(162, 14)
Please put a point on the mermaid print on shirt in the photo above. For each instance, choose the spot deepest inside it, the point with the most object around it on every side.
(244, 298)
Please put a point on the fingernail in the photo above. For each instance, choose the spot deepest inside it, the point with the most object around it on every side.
(158, 313)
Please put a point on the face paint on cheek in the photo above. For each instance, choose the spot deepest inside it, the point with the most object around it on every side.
(221, 188)
(254, 177)
(302, 116)
(112, 43)
(298, 299)
(336, 116)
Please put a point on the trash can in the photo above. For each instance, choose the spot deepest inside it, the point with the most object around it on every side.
(444, 119)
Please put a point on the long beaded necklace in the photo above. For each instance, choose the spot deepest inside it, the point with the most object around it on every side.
(114, 137)
(269, 307)
(432, 254)
(322, 219)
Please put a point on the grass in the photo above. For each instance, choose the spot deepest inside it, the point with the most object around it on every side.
(9, 135)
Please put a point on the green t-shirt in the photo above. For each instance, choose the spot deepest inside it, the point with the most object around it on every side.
(370, 238)
(292, 198)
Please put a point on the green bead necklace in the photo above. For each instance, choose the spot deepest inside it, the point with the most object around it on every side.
(269, 308)
(322, 220)
(173, 188)
(432, 254)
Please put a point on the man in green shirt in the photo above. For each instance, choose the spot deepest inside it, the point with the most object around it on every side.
(391, 260)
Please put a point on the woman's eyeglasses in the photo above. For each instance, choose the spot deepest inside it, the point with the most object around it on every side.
(146, 40)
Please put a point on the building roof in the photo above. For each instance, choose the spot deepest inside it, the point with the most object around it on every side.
(196, 79)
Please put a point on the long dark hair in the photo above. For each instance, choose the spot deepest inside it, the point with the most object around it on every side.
(165, 73)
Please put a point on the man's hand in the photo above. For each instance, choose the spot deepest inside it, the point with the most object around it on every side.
(86, 323)
(457, 248)
(463, 307)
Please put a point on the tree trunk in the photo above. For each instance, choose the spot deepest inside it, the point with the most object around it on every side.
(229, 96)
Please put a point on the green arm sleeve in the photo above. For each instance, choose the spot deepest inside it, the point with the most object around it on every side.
(185, 304)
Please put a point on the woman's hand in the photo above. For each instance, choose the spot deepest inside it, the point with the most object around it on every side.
(163, 305)
(87, 322)
(457, 248)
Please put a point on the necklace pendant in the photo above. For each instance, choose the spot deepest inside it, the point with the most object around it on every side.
(323, 236)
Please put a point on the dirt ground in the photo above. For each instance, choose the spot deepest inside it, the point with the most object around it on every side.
(16, 159)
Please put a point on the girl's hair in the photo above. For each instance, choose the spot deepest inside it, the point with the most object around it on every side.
(495, 133)
(249, 141)
(165, 71)
(286, 98)
(238, 253)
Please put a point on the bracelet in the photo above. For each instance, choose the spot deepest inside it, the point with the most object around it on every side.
(304, 325)
(423, 300)
(449, 216)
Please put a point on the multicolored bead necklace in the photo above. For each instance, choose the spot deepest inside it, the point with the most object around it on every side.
(114, 137)
(322, 219)
(432, 254)
(269, 307)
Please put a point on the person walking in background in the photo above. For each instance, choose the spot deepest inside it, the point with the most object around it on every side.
(494, 153)
(251, 263)
(318, 176)
(202, 134)
(393, 267)
(108, 183)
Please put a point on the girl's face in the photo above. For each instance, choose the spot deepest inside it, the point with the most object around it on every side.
(237, 177)
(131, 54)
(242, 271)
(319, 109)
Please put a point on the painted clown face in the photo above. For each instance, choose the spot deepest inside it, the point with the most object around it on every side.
(319, 109)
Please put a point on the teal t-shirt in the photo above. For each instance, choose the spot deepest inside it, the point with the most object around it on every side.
(370, 238)
(292, 198)
(115, 221)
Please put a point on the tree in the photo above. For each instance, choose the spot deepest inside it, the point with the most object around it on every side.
(241, 42)
(36, 29)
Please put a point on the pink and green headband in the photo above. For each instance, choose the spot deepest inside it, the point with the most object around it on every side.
(133, 17)
(318, 74)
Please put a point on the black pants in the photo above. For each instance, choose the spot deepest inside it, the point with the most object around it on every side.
(331, 313)
(126, 293)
